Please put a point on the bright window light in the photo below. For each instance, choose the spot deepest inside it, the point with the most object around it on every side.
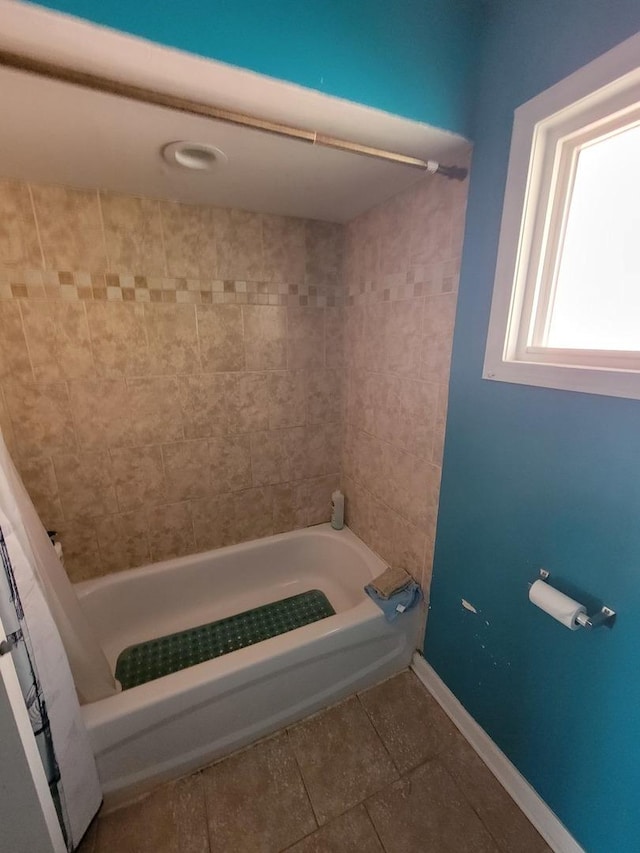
(596, 303)
(565, 311)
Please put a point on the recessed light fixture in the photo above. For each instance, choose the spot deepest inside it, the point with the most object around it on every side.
(197, 156)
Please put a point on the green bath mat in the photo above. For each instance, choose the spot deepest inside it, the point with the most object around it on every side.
(155, 658)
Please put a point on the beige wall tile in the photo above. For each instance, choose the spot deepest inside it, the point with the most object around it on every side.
(86, 484)
(41, 417)
(80, 549)
(213, 519)
(324, 396)
(287, 398)
(172, 339)
(413, 485)
(221, 337)
(70, 228)
(357, 504)
(186, 467)
(436, 358)
(19, 246)
(313, 450)
(155, 411)
(335, 355)
(283, 247)
(439, 314)
(380, 532)
(101, 413)
(375, 336)
(269, 458)
(305, 333)
(405, 414)
(318, 498)
(6, 427)
(118, 338)
(14, 355)
(239, 245)
(133, 234)
(189, 239)
(290, 510)
(265, 337)
(203, 402)
(403, 337)
(324, 243)
(57, 335)
(138, 476)
(230, 463)
(247, 402)
(409, 545)
(170, 531)
(40, 482)
(123, 541)
(253, 514)
(440, 425)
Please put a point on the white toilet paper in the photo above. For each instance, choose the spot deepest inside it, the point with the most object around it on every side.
(556, 604)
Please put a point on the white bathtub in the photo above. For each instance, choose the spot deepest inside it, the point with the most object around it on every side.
(172, 725)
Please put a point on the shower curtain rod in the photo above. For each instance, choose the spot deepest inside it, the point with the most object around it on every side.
(144, 95)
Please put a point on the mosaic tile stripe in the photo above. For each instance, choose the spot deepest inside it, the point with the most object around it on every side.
(73, 286)
(147, 661)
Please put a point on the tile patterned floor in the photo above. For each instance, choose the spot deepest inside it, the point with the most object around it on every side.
(382, 772)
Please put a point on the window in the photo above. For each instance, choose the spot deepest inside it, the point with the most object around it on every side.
(566, 302)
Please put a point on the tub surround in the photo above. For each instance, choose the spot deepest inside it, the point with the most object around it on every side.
(401, 279)
(171, 375)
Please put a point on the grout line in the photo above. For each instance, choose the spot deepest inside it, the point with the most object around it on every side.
(205, 801)
(159, 210)
(35, 219)
(375, 828)
(375, 728)
(304, 782)
(26, 339)
(104, 231)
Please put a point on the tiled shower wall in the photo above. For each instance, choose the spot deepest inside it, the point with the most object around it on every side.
(171, 375)
(401, 277)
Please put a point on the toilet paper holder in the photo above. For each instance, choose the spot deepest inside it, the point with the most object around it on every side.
(605, 617)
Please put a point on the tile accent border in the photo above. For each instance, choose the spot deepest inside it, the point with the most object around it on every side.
(128, 287)
(529, 801)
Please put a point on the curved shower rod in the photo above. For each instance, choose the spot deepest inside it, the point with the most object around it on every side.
(144, 95)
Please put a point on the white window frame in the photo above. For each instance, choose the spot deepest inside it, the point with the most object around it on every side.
(595, 100)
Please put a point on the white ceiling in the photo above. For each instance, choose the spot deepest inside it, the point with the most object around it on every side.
(54, 132)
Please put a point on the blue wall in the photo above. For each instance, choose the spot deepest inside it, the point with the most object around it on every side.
(413, 58)
(536, 477)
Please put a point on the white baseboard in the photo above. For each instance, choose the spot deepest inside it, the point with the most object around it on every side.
(545, 821)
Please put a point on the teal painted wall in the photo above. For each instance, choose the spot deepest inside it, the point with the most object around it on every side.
(413, 58)
(536, 477)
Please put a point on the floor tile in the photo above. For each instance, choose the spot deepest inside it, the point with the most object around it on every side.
(426, 811)
(350, 832)
(256, 802)
(410, 722)
(502, 817)
(170, 820)
(342, 759)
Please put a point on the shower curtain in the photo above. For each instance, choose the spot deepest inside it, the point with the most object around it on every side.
(40, 660)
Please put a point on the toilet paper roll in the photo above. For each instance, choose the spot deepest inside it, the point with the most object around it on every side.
(556, 604)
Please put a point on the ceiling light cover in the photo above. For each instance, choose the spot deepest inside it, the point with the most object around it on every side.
(197, 156)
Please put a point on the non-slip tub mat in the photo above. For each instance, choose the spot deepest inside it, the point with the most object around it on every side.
(155, 658)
